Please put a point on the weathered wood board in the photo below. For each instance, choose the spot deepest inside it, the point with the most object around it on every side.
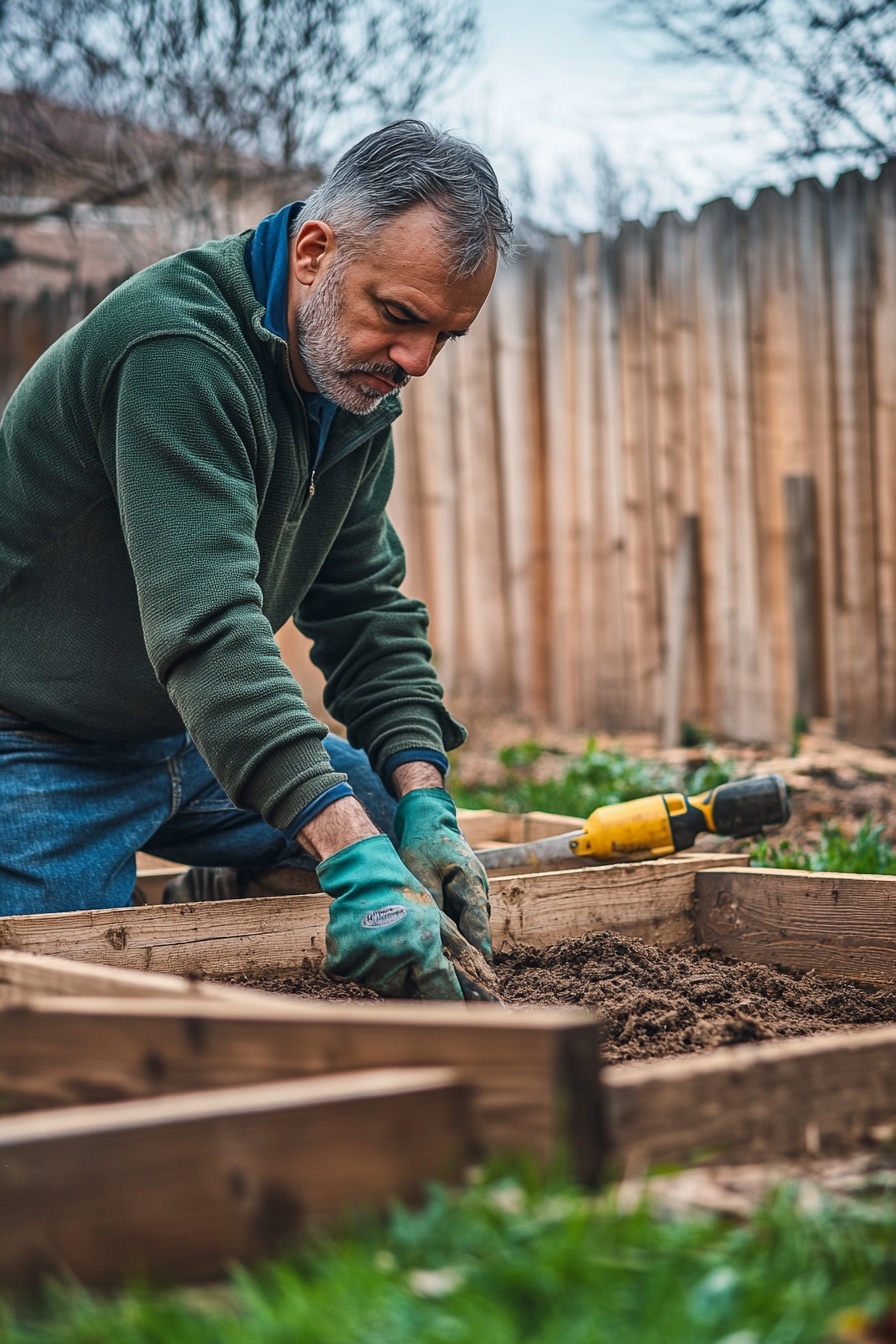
(534, 1073)
(652, 901)
(179, 1188)
(265, 935)
(481, 827)
(838, 924)
(24, 974)
(750, 1103)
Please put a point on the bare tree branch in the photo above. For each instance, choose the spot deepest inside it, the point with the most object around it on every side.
(124, 100)
(825, 69)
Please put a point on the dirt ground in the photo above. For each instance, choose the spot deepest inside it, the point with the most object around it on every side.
(654, 1002)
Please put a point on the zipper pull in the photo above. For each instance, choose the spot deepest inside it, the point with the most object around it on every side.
(311, 486)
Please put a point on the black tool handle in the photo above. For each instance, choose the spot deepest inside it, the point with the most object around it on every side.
(744, 806)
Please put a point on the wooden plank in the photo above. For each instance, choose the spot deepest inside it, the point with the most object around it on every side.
(751, 1103)
(151, 882)
(883, 354)
(837, 924)
(24, 974)
(513, 310)
(484, 655)
(534, 1074)
(651, 901)
(584, 501)
(778, 442)
(815, 391)
(277, 933)
(675, 418)
(802, 564)
(615, 627)
(558, 356)
(857, 706)
(483, 826)
(434, 446)
(679, 620)
(642, 586)
(179, 1188)
(480, 825)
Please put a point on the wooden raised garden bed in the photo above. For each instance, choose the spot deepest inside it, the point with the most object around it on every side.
(136, 1087)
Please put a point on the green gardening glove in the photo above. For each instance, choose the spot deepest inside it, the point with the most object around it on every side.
(432, 847)
(385, 930)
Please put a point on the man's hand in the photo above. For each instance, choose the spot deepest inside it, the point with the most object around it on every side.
(385, 929)
(431, 845)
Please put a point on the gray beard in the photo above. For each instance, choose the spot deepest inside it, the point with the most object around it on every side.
(324, 349)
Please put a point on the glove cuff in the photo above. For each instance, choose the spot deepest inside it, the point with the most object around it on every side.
(422, 811)
(371, 859)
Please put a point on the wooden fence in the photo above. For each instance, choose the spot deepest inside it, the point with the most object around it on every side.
(657, 481)
(623, 398)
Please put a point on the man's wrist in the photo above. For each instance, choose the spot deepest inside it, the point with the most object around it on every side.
(416, 775)
(341, 824)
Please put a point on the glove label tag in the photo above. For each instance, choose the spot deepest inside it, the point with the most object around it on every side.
(383, 918)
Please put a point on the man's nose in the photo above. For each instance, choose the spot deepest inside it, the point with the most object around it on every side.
(414, 352)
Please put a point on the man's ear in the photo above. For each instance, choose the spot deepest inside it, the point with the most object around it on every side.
(313, 247)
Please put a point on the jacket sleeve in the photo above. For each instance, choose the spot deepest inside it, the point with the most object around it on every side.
(369, 639)
(181, 466)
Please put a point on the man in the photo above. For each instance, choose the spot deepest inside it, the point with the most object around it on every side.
(207, 454)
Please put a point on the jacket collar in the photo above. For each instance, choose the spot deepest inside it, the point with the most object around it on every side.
(267, 261)
(267, 257)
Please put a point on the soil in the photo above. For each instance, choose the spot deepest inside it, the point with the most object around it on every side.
(655, 1002)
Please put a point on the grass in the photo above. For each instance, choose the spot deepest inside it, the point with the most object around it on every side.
(518, 1262)
(588, 781)
(868, 852)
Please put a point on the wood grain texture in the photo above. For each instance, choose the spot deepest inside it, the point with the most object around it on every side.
(838, 924)
(857, 707)
(644, 900)
(802, 563)
(482, 826)
(815, 390)
(882, 216)
(278, 933)
(179, 1188)
(513, 311)
(750, 1103)
(26, 974)
(564, 578)
(679, 620)
(533, 1074)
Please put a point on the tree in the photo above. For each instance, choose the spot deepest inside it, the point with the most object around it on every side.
(825, 70)
(181, 99)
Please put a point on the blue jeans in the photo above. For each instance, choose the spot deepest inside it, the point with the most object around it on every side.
(73, 815)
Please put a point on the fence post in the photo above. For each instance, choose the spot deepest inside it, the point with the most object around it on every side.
(681, 609)
(801, 512)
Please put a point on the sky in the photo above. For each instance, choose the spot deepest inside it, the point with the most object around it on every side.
(556, 78)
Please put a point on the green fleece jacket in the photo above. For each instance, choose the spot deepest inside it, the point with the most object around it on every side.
(156, 528)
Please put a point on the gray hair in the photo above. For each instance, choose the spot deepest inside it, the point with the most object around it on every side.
(409, 163)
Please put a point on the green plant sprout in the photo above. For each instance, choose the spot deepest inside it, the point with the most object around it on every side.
(868, 852)
(593, 779)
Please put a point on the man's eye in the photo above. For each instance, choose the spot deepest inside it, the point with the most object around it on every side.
(394, 318)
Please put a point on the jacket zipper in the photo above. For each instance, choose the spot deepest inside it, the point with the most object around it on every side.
(346, 449)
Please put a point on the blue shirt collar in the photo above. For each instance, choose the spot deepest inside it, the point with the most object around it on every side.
(267, 259)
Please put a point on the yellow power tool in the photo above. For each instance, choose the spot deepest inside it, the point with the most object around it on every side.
(654, 827)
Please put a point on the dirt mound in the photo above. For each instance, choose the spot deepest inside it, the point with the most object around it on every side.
(655, 1002)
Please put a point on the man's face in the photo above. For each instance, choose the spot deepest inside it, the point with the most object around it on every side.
(366, 322)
